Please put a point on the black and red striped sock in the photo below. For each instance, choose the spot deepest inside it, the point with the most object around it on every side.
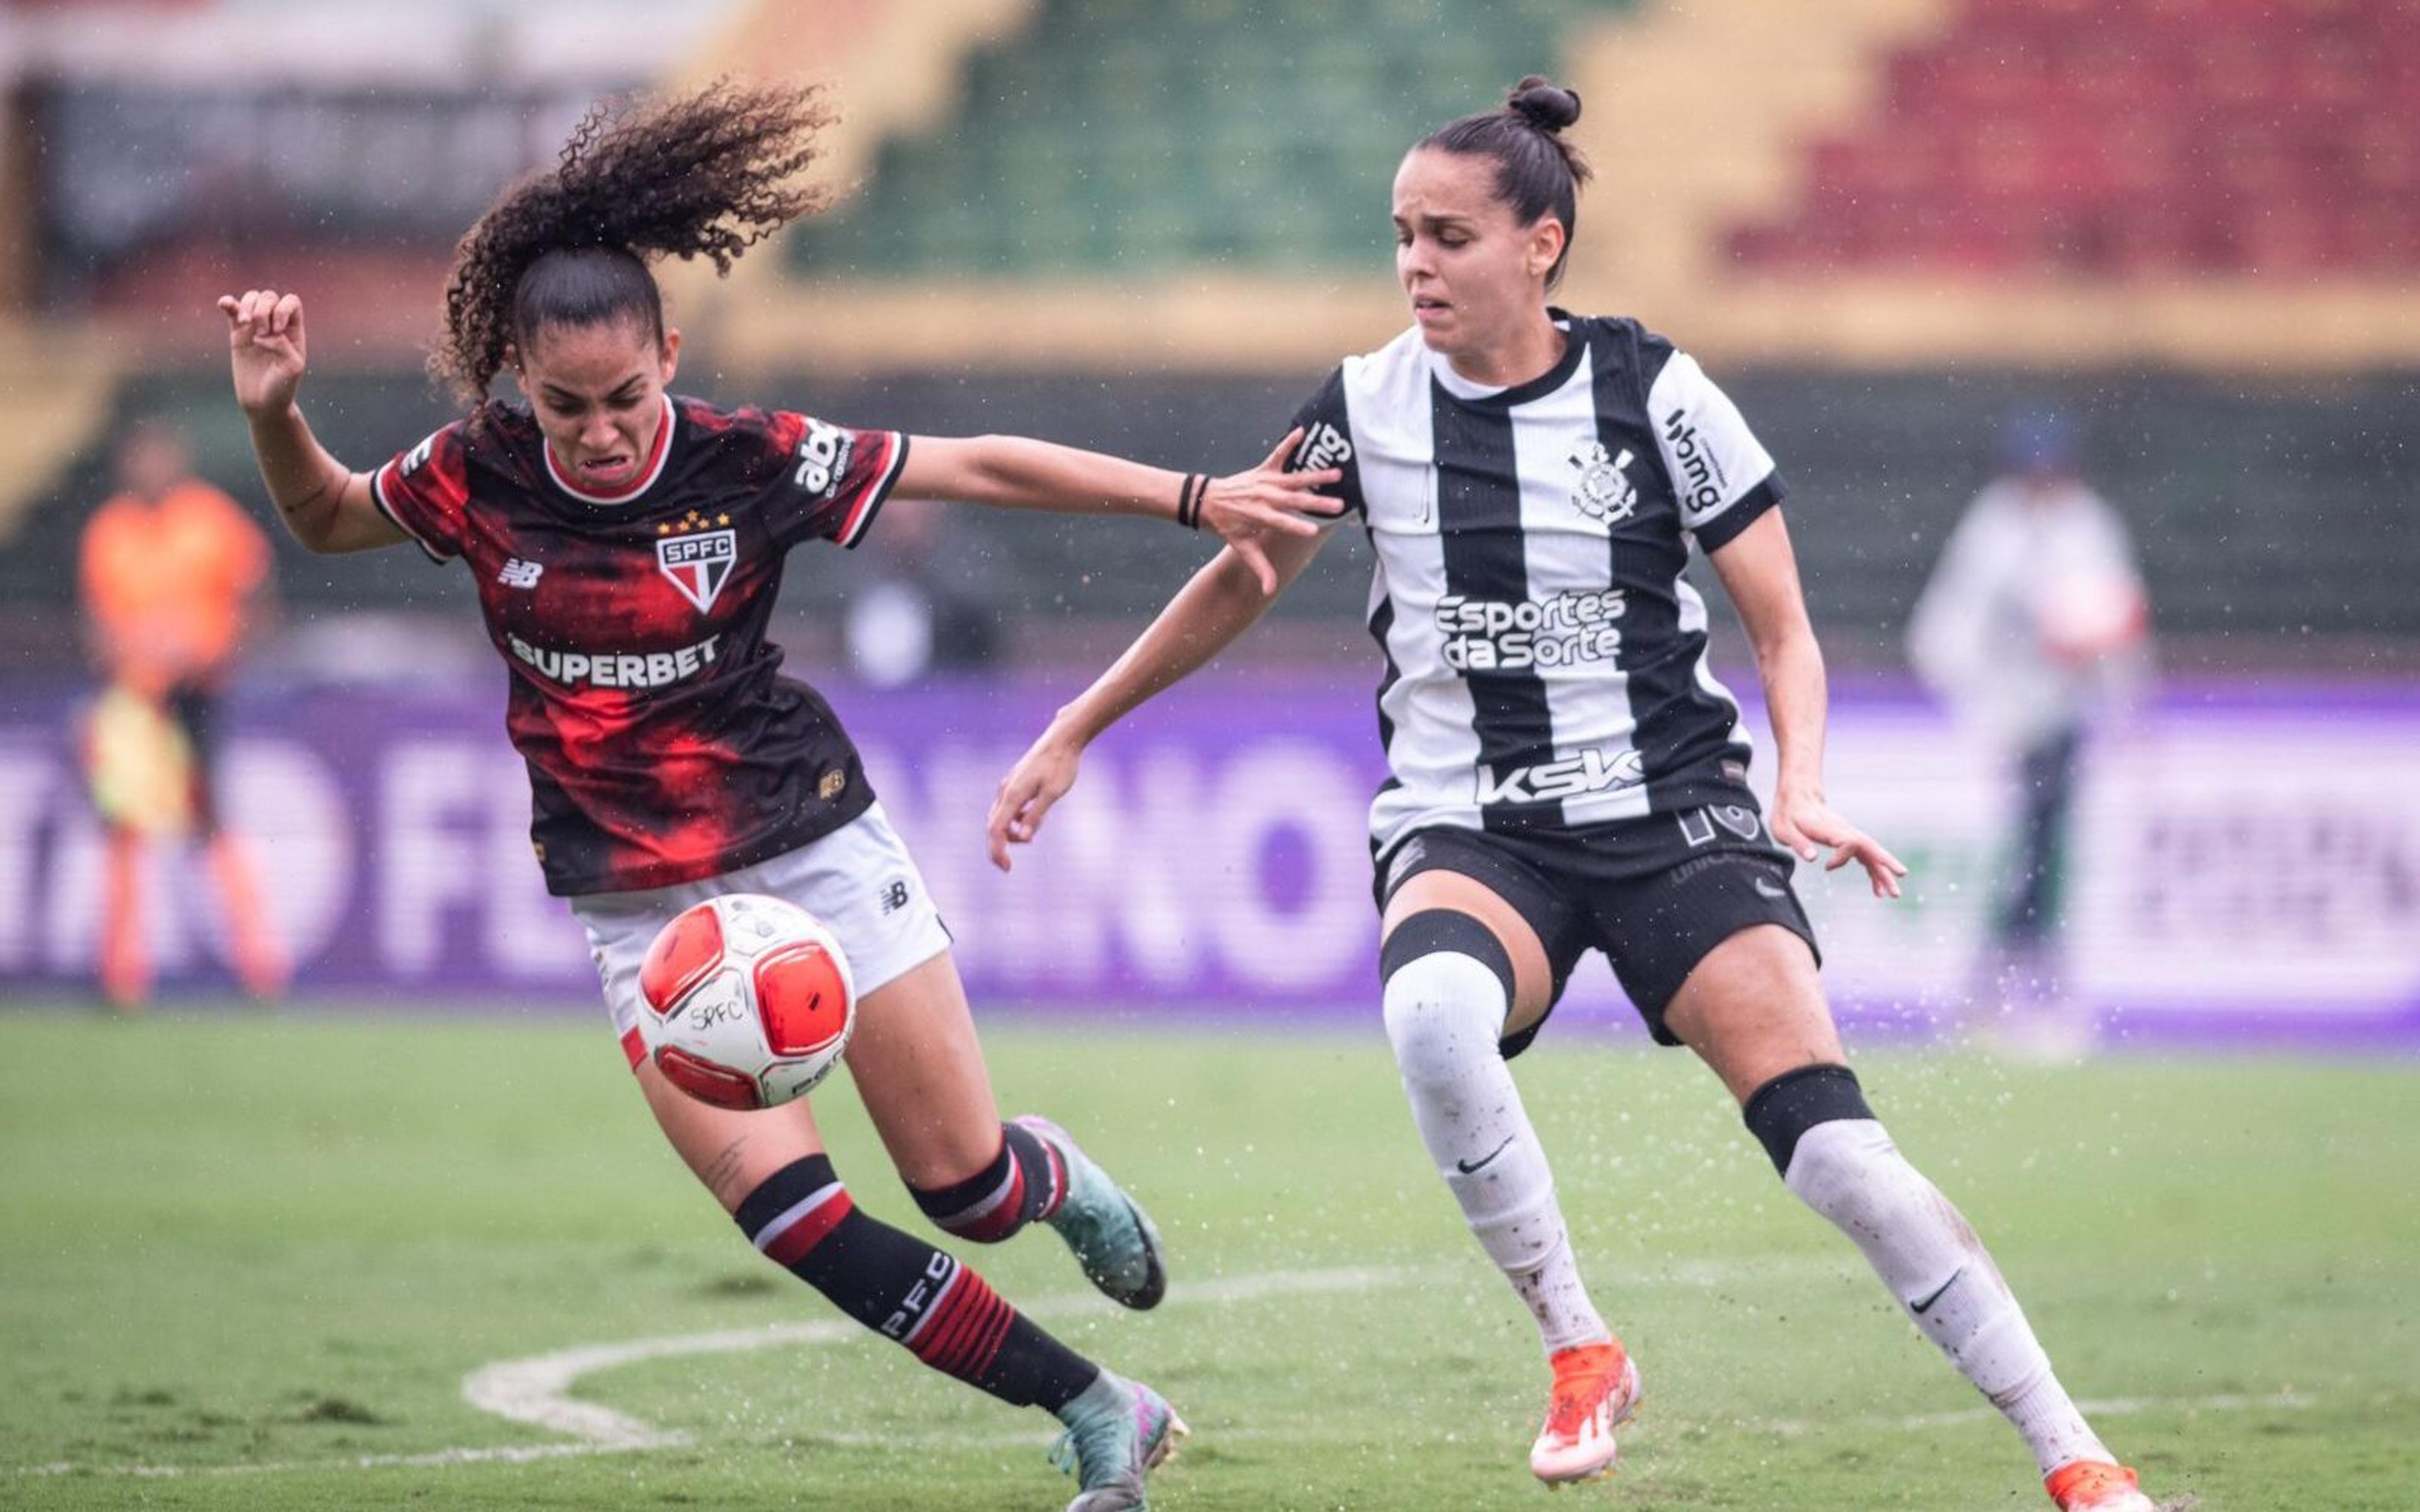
(946, 1315)
(1025, 1181)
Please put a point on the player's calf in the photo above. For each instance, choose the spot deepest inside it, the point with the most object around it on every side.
(1027, 1180)
(1836, 1156)
(802, 1219)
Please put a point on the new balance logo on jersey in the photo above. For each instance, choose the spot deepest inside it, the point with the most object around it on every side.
(1603, 492)
(418, 457)
(580, 669)
(519, 574)
(895, 896)
(698, 565)
(1324, 447)
(1591, 771)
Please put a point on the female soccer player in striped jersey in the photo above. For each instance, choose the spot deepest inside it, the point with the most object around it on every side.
(627, 547)
(1566, 773)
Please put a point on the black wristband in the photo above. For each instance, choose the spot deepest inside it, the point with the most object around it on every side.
(1188, 499)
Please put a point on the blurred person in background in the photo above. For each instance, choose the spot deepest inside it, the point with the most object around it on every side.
(627, 546)
(924, 611)
(1567, 774)
(174, 575)
(2034, 629)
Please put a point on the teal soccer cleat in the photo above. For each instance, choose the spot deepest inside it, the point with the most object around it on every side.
(1118, 1431)
(1113, 1237)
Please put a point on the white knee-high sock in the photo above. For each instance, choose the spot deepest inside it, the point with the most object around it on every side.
(1849, 1171)
(1444, 1014)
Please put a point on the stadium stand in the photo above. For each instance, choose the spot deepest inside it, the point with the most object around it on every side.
(2181, 136)
(1110, 138)
(1151, 228)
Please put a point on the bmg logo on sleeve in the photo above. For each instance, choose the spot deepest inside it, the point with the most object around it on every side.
(1323, 447)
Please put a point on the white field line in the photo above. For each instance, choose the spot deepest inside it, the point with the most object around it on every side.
(536, 1390)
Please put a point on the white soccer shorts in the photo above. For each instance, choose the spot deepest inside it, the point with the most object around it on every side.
(859, 880)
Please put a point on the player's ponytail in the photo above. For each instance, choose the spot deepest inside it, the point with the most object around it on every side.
(1537, 171)
(708, 174)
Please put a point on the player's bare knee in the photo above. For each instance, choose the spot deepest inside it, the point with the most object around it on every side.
(1449, 986)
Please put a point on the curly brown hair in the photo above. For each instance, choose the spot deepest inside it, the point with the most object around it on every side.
(708, 174)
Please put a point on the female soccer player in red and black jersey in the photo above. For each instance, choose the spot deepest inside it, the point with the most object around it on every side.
(628, 545)
(1567, 773)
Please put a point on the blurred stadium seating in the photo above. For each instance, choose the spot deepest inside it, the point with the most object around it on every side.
(1112, 140)
(1882, 221)
(2202, 137)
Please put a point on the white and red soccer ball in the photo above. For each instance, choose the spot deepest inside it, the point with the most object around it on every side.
(748, 1001)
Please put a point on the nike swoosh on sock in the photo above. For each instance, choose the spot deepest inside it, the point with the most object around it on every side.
(1920, 1309)
(1469, 1168)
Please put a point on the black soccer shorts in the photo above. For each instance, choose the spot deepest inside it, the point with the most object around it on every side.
(1655, 894)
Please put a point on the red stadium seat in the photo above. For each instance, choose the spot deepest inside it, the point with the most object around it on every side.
(2127, 136)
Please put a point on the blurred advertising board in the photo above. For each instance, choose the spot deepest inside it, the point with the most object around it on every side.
(2245, 861)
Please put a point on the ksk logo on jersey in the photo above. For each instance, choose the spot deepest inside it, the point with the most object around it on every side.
(1603, 492)
(698, 561)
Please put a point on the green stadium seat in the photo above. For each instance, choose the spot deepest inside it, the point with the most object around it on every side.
(1128, 140)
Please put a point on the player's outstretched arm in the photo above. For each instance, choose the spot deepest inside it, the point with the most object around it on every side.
(1219, 603)
(325, 504)
(1760, 573)
(1250, 511)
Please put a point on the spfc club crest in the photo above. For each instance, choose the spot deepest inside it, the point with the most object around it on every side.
(1603, 492)
(698, 564)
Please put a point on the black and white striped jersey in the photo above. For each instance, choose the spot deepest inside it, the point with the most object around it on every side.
(1546, 657)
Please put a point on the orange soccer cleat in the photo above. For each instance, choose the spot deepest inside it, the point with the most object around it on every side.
(2096, 1486)
(1596, 1391)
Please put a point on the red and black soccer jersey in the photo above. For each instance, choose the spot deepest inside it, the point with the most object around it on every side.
(662, 744)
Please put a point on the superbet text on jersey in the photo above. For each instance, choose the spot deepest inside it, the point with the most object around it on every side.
(662, 744)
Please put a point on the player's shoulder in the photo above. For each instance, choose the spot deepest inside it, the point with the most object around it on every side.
(493, 435)
(491, 454)
(747, 439)
(704, 417)
(1392, 377)
(1405, 353)
(1624, 342)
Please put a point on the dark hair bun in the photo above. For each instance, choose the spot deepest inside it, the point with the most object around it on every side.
(1543, 103)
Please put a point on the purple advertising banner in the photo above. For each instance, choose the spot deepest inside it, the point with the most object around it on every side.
(2244, 866)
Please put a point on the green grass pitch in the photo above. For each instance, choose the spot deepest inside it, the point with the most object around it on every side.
(249, 1262)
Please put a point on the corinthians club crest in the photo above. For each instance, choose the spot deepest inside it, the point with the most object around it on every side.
(1603, 492)
(698, 562)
